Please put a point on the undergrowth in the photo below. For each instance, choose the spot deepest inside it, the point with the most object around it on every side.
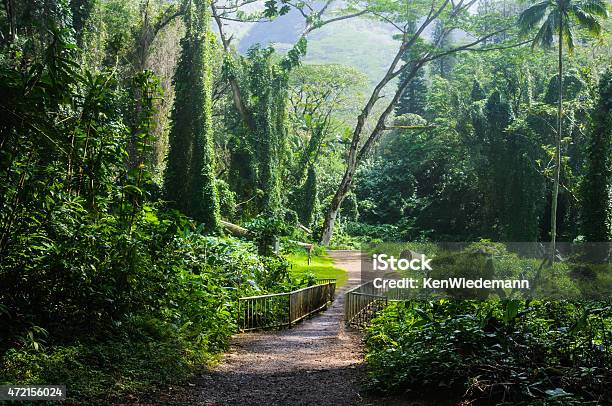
(492, 352)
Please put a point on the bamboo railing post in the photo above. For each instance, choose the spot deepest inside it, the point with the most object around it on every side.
(290, 303)
(238, 317)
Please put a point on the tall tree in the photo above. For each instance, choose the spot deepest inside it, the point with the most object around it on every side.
(597, 184)
(155, 16)
(268, 101)
(400, 15)
(81, 10)
(189, 182)
(306, 200)
(557, 17)
(413, 100)
(322, 99)
(258, 153)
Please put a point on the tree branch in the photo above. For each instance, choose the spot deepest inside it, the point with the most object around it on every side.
(339, 18)
(237, 5)
(236, 94)
(167, 19)
(417, 64)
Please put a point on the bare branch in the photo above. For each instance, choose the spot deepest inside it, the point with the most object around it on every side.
(244, 20)
(236, 94)
(501, 47)
(380, 124)
(465, 47)
(235, 6)
(409, 127)
(344, 17)
(389, 21)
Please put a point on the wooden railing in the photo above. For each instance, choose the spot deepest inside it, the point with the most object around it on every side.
(362, 307)
(284, 309)
(363, 302)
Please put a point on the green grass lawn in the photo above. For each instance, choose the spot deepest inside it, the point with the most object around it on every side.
(321, 266)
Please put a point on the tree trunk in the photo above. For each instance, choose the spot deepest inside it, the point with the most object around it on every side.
(341, 192)
(356, 155)
(555, 195)
(11, 16)
(351, 162)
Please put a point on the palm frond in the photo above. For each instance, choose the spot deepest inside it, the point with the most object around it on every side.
(568, 35)
(594, 7)
(586, 20)
(545, 36)
(532, 16)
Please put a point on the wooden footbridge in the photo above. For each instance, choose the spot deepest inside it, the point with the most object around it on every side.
(284, 309)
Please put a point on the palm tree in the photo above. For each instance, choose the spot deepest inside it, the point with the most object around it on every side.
(559, 17)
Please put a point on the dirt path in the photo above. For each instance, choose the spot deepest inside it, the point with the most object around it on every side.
(317, 362)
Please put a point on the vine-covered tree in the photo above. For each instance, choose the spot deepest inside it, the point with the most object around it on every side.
(596, 188)
(268, 99)
(189, 183)
(258, 151)
(306, 198)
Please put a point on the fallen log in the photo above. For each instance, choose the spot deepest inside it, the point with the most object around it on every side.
(304, 228)
(239, 231)
(235, 229)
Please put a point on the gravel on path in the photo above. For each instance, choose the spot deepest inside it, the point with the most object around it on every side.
(317, 362)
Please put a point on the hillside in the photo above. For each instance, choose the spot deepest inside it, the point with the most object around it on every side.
(361, 43)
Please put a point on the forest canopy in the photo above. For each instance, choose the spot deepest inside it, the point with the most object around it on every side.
(155, 154)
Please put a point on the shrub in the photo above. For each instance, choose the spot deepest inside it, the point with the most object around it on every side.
(227, 200)
(491, 351)
(266, 230)
(383, 232)
(146, 354)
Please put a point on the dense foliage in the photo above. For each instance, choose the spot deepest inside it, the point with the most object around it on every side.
(549, 344)
(484, 169)
(596, 188)
(131, 132)
(493, 351)
(98, 274)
